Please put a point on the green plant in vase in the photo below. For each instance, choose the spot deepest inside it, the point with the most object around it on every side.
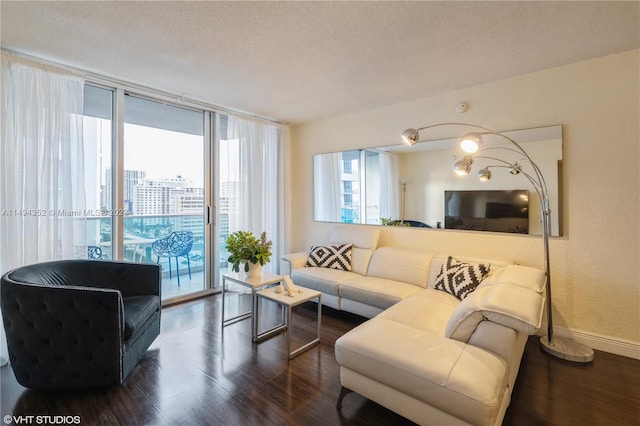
(387, 221)
(244, 247)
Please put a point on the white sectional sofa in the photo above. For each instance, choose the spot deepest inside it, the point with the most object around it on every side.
(426, 354)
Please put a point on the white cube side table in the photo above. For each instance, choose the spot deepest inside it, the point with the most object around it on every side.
(287, 303)
(267, 279)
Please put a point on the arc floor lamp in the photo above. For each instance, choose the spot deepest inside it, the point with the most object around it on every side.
(472, 143)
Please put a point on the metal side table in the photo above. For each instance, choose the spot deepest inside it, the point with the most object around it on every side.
(287, 303)
(266, 280)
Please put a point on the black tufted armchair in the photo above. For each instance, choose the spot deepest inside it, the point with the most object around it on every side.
(79, 323)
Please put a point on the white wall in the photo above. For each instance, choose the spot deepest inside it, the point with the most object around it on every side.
(595, 264)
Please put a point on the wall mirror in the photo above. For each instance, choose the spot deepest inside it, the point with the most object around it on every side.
(416, 186)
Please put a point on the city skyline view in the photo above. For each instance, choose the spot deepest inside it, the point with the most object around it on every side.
(151, 156)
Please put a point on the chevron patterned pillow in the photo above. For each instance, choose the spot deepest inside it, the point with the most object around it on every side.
(334, 257)
(460, 278)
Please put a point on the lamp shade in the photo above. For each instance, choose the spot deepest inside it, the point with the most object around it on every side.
(410, 136)
(463, 167)
(484, 174)
(471, 142)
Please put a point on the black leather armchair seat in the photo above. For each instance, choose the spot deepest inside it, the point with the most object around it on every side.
(79, 323)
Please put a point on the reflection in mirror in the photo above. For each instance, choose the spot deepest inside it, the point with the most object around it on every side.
(408, 185)
(337, 189)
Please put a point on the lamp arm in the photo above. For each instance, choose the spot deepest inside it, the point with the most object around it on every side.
(516, 144)
(458, 124)
(504, 148)
(486, 157)
(538, 182)
(540, 189)
(542, 182)
(540, 177)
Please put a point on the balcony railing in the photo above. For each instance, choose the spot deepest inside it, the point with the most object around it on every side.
(140, 231)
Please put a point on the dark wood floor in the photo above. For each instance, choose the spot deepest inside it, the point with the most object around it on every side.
(196, 375)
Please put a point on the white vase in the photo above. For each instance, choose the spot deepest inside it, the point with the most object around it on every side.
(255, 270)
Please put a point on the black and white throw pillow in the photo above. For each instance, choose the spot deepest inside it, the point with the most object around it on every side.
(334, 257)
(460, 278)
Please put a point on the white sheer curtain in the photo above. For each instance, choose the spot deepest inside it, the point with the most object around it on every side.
(259, 190)
(327, 189)
(389, 186)
(42, 194)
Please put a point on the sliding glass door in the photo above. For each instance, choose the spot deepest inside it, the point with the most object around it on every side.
(147, 188)
(163, 192)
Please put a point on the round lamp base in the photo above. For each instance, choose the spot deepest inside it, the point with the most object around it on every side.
(567, 349)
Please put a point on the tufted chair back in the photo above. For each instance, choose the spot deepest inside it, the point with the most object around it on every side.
(79, 323)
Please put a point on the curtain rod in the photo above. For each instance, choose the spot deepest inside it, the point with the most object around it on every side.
(101, 79)
(36, 63)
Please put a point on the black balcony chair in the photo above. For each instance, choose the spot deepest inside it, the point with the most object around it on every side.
(94, 252)
(177, 244)
(79, 323)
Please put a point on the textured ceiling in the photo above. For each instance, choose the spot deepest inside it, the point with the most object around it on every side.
(301, 61)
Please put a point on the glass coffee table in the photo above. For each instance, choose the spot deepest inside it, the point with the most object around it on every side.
(287, 303)
(266, 280)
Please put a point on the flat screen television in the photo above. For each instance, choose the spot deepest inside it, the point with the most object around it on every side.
(491, 210)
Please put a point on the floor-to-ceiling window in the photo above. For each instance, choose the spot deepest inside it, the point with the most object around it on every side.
(168, 182)
(163, 192)
(146, 188)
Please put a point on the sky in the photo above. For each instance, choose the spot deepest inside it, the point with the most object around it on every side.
(163, 153)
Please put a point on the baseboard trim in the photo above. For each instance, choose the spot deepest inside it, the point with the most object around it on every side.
(598, 342)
